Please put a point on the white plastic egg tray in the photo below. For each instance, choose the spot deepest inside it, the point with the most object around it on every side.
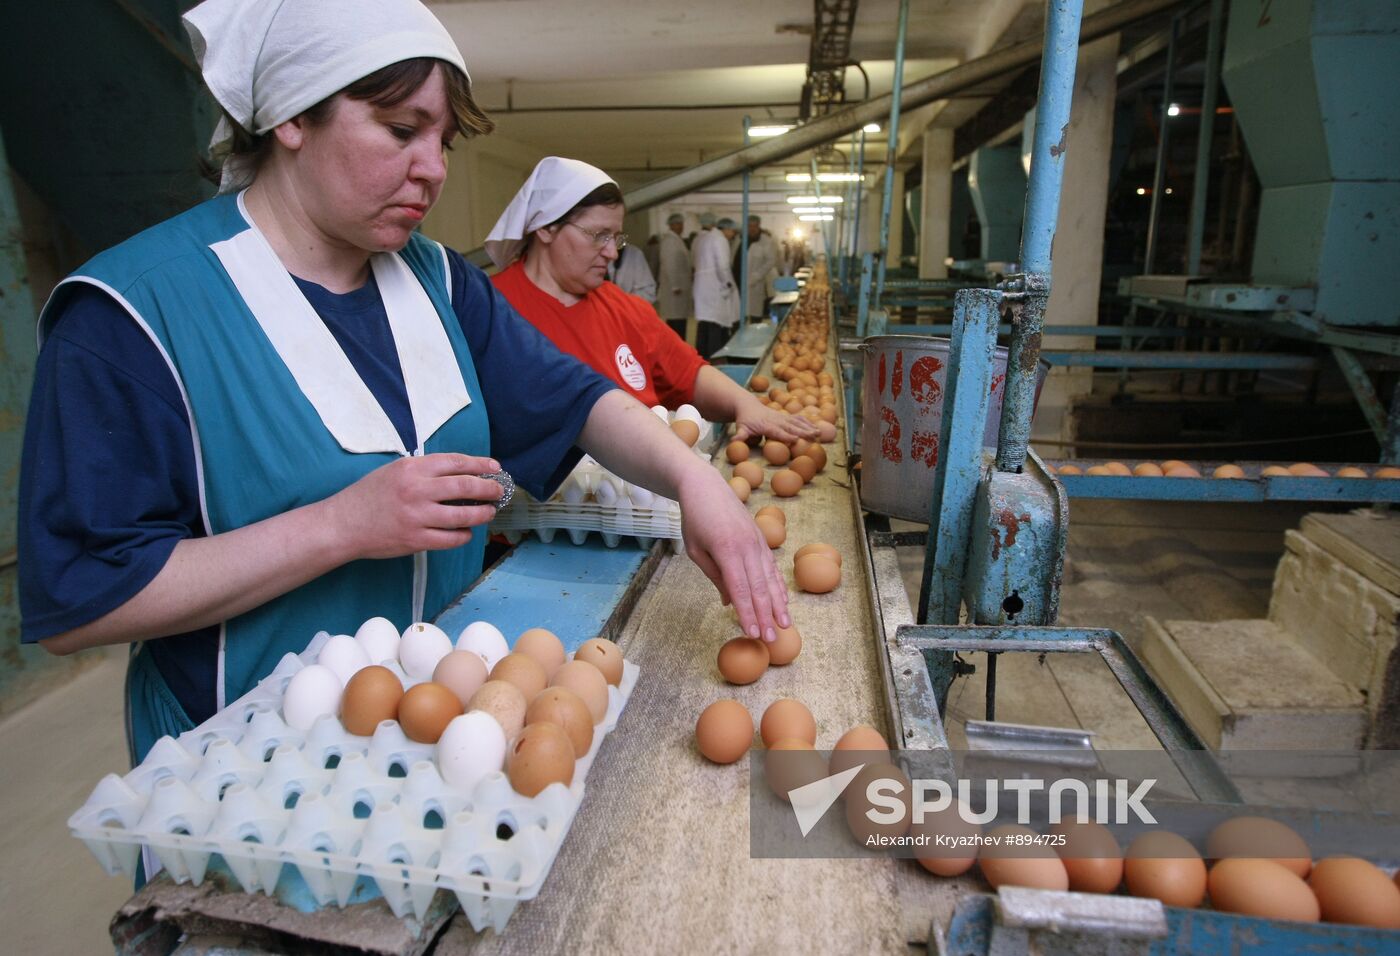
(335, 807)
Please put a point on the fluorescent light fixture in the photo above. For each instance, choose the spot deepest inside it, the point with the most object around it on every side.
(826, 177)
(815, 218)
(871, 128)
(813, 200)
(762, 131)
(1174, 110)
(818, 208)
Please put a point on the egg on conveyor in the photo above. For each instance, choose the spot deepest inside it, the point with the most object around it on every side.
(313, 692)
(485, 640)
(380, 640)
(472, 746)
(420, 649)
(344, 655)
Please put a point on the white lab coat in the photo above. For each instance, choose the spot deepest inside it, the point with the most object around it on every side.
(673, 279)
(763, 269)
(716, 294)
(632, 274)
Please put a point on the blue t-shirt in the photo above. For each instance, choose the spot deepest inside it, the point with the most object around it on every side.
(108, 483)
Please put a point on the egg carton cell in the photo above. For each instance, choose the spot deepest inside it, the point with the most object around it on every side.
(333, 808)
(593, 499)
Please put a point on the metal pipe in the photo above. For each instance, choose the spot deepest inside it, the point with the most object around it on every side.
(843, 236)
(744, 243)
(860, 195)
(1159, 174)
(892, 149)
(1204, 140)
(838, 124)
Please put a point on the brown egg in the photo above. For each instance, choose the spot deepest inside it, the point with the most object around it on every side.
(786, 483)
(1163, 866)
(461, 672)
(1387, 472)
(785, 649)
(541, 755)
(523, 671)
(774, 531)
(503, 701)
(1118, 468)
(826, 432)
(1261, 888)
(741, 487)
(1148, 469)
(1183, 471)
(758, 383)
(561, 706)
(1262, 838)
(799, 447)
(1070, 470)
(1171, 463)
(736, 451)
(786, 717)
(588, 682)
(817, 574)
(686, 430)
(804, 466)
(792, 408)
(1277, 471)
(817, 547)
(776, 452)
(371, 697)
(1091, 856)
(1098, 470)
(1306, 469)
(743, 660)
(544, 646)
(751, 472)
(950, 856)
(724, 731)
(426, 710)
(1228, 471)
(791, 763)
(1350, 471)
(1352, 890)
(603, 655)
(1022, 863)
(861, 744)
(886, 778)
(773, 510)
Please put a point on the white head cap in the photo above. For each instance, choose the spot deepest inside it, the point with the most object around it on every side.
(267, 61)
(555, 187)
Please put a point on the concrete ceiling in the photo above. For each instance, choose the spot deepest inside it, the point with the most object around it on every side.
(644, 89)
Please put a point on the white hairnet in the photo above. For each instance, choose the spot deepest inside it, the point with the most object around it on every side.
(267, 61)
(554, 187)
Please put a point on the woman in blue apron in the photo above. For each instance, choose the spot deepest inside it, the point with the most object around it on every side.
(259, 419)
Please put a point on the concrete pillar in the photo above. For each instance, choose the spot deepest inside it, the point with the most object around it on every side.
(937, 203)
(896, 246)
(1078, 248)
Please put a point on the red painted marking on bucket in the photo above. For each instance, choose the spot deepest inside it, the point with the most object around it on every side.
(924, 447)
(897, 379)
(997, 382)
(923, 386)
(889, 439)
(880, 378)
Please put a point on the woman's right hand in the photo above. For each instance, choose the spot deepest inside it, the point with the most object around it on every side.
(403, 507)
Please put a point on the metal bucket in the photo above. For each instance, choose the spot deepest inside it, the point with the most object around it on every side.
(902, 387)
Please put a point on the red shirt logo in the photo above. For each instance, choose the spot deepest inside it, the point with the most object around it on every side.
(630, 369)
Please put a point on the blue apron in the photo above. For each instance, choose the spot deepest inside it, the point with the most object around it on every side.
(279, 420)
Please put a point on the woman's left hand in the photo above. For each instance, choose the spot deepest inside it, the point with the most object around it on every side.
(754, 418)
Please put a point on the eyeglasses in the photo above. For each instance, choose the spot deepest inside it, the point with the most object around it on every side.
(601, 239)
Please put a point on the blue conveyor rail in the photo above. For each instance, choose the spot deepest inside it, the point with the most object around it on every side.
(1253, 487)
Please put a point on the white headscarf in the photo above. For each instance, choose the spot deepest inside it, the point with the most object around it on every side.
(555, 187)
(267, 61)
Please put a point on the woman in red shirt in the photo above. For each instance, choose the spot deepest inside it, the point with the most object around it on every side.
(553, 245)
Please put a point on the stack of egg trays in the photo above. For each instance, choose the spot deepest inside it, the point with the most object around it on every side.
(335, 807)
(622, 518)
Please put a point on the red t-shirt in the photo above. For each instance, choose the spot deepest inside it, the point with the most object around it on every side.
(616, 333)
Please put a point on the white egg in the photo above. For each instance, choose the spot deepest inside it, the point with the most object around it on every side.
(420, 649)
(344, 655)
(660, 412)
(606, 493)
(312, 692)
(380, 640)
(573, 491)
(691, 414)
(485, 640)
(471, 746)
(640, 496)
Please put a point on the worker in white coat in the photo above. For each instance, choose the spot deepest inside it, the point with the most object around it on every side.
(673, 278)
(632, 275)
(763, 268)
(716, 294)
